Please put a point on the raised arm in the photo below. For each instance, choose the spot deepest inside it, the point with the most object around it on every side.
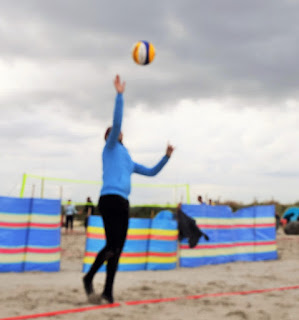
(147, 171)
(118, 112)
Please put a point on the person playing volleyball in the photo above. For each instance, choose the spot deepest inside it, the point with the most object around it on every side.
(113, 202)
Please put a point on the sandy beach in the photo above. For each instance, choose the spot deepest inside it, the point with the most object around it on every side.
(35, 292)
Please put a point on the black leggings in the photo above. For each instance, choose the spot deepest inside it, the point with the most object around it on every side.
(69, 221)
(115, 212)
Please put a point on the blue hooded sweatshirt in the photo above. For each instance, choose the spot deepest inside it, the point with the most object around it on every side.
(117, 163)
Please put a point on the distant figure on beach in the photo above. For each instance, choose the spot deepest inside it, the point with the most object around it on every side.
(113, 203)
(88, 211)
(69, 211)
(277, 221)
(199, 199)
(211, 202)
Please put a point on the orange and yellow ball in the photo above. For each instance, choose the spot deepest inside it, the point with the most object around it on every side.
(143, 52)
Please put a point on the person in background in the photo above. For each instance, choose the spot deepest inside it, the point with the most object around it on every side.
(211, 203)
(88, 211)
(277, 221)
(118, 167)
(69, 211)
(199, 199)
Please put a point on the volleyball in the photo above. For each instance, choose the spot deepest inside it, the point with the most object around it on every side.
(143, 52)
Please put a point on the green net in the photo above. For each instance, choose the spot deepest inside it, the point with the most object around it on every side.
(142, 194)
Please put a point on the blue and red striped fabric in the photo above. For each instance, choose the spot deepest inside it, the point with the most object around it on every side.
(134, 255)
(246, 235)
(29, 234)
(162, 249)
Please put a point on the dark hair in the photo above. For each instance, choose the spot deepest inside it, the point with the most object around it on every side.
(107, 132)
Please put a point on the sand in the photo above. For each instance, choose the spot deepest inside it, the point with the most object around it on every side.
(35, 292)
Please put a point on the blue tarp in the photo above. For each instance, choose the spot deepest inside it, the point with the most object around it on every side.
(291, 214)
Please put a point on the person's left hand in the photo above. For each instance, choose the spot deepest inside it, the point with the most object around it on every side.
(169, 150)
(119, 86)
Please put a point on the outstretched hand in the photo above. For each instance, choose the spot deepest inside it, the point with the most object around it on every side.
(119, 86)
(169, 150)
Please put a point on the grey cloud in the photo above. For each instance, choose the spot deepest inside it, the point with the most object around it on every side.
(204, 49)
(289, 174)
(40, 129)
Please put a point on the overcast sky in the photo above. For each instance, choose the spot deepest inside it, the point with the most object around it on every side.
(223, 88)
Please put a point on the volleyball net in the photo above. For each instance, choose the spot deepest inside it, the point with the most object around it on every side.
(143, 194)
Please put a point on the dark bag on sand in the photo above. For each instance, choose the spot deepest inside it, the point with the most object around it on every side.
(292, 228)
(188, 229)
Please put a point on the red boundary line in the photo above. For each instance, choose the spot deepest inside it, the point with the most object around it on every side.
(54, 313)
(290, 238)
(149, 301)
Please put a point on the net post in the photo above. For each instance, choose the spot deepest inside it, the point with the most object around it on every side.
(23, 185)
(188, 193)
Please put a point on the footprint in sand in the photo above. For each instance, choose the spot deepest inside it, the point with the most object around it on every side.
(236, 315)
(95, 299)
(262, 315)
